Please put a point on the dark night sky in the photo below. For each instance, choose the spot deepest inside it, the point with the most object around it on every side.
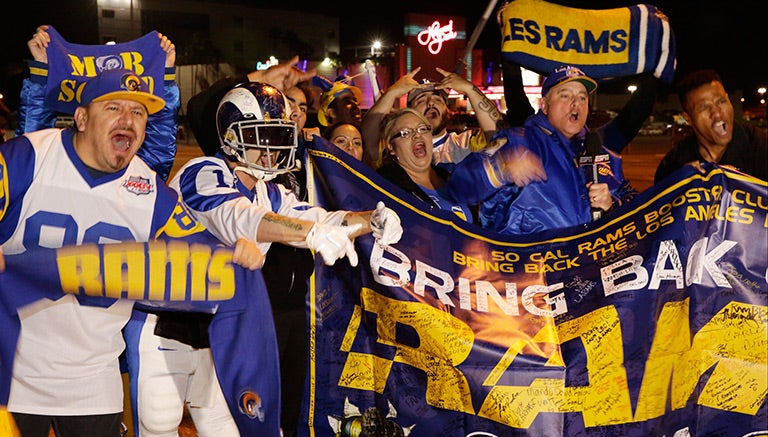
(729, 37)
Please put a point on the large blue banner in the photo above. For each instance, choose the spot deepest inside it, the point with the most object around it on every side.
(649, 322)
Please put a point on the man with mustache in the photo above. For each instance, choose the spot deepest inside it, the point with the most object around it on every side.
(431, 99)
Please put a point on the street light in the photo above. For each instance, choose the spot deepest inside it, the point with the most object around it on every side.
(632, 88)
(375, 46)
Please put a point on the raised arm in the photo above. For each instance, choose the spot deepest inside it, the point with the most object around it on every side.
(518, 106)
(371, 125)
(159, 148)
(33, 114)
(488, 115)
(622, 129)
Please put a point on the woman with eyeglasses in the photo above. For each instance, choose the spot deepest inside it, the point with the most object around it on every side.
(406, 145)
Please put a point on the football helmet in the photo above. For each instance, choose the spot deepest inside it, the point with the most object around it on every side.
(255, 115)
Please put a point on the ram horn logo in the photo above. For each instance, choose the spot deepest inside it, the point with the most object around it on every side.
(250, 405)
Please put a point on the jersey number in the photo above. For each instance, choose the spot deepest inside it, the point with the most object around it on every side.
(53, 230)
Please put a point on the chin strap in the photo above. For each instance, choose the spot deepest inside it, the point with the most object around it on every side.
(258, 174)
(263, 174)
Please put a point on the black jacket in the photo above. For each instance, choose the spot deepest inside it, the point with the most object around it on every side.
(393, 172)
(747, 152)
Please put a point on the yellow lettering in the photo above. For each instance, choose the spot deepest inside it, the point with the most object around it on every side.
(728, 342)
(437, 354)
(83, 68)
(67, 91)
(132, 61)
(80, 268)
(604, 401)
(497, 255)
(221, 276)
(157, 276)
(124, 270)
(178, 257)
(557, 266)
(162, 272)
(199, 256)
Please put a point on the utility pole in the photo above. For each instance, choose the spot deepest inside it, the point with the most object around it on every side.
(462, 64)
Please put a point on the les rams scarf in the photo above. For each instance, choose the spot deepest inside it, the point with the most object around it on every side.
(605, 43)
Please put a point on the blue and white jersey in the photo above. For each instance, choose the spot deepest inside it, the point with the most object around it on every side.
(67, 354)
(229, 210)
(453, 147)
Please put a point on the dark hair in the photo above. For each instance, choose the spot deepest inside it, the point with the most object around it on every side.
(304, 86)
(693, 80)
(328, 131)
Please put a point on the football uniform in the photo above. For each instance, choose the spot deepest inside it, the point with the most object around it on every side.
(66, 360)
(170, 355)
(224, 205)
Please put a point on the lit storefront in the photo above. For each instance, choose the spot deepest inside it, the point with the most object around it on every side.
(433, 41)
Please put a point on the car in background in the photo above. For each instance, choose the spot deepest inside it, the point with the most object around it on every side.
(655, 128)
(64, 121)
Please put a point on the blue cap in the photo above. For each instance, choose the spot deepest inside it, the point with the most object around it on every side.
(427, 86)
(120, 84)
(567, 73)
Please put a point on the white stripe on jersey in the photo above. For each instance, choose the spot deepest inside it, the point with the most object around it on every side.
(66, 359)
(208, 188)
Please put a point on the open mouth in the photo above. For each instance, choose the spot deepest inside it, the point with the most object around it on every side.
(720, 128)
(419, 150)
(121, 142)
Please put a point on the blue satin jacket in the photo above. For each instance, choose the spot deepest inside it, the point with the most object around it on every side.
(559, 202)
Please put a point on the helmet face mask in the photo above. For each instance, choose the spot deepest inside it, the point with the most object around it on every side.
(255, 129)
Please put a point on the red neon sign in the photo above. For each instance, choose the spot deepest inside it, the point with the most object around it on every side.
(434, 35)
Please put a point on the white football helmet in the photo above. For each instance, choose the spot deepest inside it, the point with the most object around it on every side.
(255, 115)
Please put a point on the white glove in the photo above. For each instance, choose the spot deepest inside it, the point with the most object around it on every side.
(333, 242)
(385, 225)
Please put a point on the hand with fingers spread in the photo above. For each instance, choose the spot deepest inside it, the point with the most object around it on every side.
(453, 81)
(374, 117)
(488, 115)
(405, 84)
(519, 166)
(282, 76)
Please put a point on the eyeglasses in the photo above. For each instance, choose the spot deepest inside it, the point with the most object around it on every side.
(408, 132)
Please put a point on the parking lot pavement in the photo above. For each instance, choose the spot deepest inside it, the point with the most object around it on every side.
(641, 158)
